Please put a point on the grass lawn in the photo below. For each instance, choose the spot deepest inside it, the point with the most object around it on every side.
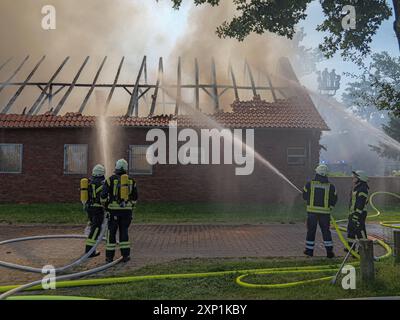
(161, 213)
(224, 287)
(174, 213)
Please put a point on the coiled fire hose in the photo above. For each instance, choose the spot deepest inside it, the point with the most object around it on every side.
(61, 270)
(242, 274)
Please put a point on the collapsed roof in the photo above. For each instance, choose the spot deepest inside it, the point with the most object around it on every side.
(291, 106)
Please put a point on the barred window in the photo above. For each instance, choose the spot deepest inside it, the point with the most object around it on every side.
(10, 158)
(137, 160)
(296, 156)
(75, 158)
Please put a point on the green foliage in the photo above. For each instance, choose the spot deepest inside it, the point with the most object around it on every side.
(378, 88)
(377, 94)
(354, 44)
(164, 213)
(355, 98)
(281, 18)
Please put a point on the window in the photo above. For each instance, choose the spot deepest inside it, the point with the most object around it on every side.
(137, 160)
(296, 156)
(75, 158)
(10, 158)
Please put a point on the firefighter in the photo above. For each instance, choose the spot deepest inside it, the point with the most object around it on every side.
(358, 201)
(93, 206)
(321, 197)
(119, 195)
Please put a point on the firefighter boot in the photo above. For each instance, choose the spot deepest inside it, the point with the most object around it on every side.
(308, 252)
(330, 254)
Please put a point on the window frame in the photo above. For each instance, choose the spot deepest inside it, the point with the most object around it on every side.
(20, 160)
(304, 156)
(130, 160)
(65, 159)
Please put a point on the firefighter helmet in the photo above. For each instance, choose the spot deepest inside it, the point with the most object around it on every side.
(98, 171)
(361, 175)
(121, 164)
(322, 170)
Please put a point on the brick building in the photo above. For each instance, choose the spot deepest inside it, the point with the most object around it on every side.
(43, 156)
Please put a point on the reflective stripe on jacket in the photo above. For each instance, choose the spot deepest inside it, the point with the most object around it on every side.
(320, 195)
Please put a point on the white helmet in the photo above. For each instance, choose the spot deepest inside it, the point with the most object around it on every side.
(98, 171)
(121, 164)
(322, 170)
(361, 175)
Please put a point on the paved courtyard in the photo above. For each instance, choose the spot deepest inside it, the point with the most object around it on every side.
(158, 243)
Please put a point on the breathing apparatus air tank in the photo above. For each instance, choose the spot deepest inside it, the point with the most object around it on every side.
(124, 187)
(84, 190)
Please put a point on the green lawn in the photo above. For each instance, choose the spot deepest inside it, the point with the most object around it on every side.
(156, 213)
(174, 213)
(224, 287)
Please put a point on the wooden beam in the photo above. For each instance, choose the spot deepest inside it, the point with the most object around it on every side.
(96, 77)
(34, 109)
(71, 87)
(5, 63)
(367, 260)
(21, 88)
(234, 82)
(197, 80)
(253, 85)
(49, 96)
(396, 246)
(178, 87)
(110, 95)
(155, 94)
(214, 85)
(271, 87)
(13, 74)
(133, 102)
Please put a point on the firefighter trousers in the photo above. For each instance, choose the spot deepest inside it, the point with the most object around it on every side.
(120, 220)
(356, 228)
(323, 220)
(96, 217)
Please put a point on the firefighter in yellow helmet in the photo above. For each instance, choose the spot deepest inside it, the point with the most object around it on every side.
(90, 196)
(321, 197)
(357, 213)
(119, 195)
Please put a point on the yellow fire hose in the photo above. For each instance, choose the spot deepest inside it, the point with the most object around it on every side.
(241, 273)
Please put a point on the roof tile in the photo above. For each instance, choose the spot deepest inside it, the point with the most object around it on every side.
(298, 112)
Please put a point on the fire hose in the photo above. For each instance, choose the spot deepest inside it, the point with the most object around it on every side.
(241, 274)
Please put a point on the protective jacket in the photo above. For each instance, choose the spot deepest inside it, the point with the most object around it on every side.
(359, 198)
(320, 195)
(111, 193)
(94, 192)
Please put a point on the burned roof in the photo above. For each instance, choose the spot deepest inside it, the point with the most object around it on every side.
(291, 113)
(290, 107)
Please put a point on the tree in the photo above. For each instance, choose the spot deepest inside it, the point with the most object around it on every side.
(281, 17)
(392, 129)
(304, 59)
(353, 98)
(378, 90)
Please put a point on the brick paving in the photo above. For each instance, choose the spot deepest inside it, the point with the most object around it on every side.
(158, 243)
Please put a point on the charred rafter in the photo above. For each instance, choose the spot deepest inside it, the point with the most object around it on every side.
(137, 91)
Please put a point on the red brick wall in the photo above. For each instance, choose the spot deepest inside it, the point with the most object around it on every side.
(43, 180)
